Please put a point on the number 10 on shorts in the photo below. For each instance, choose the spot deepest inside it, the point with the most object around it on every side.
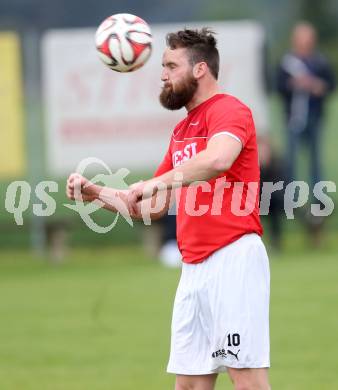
(234, 339)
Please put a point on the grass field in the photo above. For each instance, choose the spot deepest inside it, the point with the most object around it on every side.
(101, 320)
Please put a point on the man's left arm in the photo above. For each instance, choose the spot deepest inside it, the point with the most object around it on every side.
(329, 78)
(219, 155)
(324, 82)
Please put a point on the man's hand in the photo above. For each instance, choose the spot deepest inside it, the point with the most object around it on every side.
(311, 84)
(141, 191)
(80, 188)
(303, 82)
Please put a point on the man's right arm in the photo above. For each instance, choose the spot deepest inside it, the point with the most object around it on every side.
(81, 189)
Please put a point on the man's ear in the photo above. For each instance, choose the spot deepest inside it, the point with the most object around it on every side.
(199, 70)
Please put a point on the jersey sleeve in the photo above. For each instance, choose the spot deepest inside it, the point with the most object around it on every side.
(230, 119)
(165, 166)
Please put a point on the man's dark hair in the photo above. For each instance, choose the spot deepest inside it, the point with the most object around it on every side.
(201, 46)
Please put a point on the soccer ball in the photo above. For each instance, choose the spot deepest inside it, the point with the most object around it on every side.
(124, 42)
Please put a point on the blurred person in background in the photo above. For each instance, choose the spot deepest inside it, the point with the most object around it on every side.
(272, 171)
(169, 254)
(304, 80)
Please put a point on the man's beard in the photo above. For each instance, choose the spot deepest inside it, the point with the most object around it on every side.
(184, 92)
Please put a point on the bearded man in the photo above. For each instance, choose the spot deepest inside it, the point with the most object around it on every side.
(221, 312)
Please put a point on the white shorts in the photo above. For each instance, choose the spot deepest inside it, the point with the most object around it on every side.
(221, 311)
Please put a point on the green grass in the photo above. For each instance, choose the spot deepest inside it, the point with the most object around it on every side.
(101, 320)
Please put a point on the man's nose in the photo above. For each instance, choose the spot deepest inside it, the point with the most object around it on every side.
(164, 75)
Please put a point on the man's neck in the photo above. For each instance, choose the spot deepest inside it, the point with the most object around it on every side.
(201, 96)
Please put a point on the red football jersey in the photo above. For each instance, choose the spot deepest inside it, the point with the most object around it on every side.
(213, 214)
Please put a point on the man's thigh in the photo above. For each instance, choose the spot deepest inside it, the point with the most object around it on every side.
(249, 378)
(195, 382)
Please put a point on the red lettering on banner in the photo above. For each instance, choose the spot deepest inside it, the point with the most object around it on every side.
(102, 130)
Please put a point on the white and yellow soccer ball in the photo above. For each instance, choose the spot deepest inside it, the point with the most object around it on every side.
(124, 42)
